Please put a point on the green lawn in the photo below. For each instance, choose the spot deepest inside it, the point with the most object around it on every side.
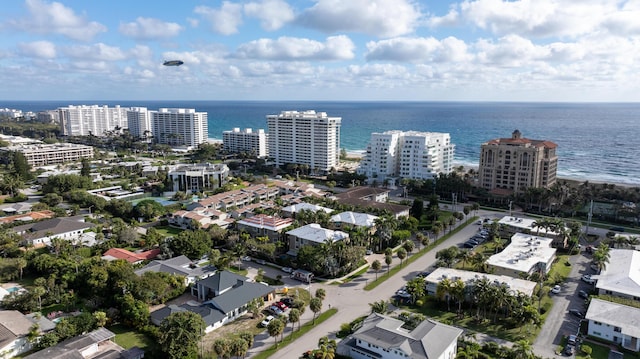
(128, 338)
(167, 231)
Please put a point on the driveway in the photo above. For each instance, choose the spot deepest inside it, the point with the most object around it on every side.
(352, 301)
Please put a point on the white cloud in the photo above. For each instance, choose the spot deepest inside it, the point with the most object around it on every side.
(450, 19)
(39, 49)
(273, 14)
(418, 50)
(55, 18)
(291, 48)
(150, 29)
(99, 52)
(539, 18)
(224, 20)
(382, 18)
(509, 51)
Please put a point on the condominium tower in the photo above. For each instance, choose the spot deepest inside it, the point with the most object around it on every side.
(139, 122)
(246, 140)
(511, 165)
(179, 127)
(306, 137)
(414, 155)
(92, 120)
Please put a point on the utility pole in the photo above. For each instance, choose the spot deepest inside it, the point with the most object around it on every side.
(589, 216)
(510, 204)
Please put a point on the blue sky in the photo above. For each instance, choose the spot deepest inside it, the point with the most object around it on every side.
(471, 50)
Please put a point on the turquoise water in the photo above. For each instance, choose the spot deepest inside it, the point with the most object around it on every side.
(13, 289)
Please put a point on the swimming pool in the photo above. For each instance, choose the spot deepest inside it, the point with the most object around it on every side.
(13, 289)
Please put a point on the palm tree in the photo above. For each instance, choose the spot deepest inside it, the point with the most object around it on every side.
(326, 348)
(294, 317)
(316, 306)
(402, 254)
(464, 256)
(388, 259)
(380, 306)
(522, 349)
(601, 256)
(21, 264)
(443, 291)
(457, 290)
(275, 328)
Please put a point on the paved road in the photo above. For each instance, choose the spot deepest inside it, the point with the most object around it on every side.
(352, 301)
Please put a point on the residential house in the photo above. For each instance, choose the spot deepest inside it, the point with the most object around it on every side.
(615, 323)
(621, 276)
(262, 225)
(239, 198)
(29, 216)
(226, 296)
(182, 266)
(131, 257)
(41, 233)
(290, 211)
(469, 278)
(384, 337)
(199, 217)
(299, 189)
(313, 234)
(97, 344)
(14, 332)
(525, 255)
(354, 219)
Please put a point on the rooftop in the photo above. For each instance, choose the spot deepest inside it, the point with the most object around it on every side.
(622, 274)
(524, 286)
(523, 253)
(618, 315)
(355, 218)
(525, 223)
(314, 233)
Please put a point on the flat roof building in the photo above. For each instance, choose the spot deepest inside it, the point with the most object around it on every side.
(468, 278)
(198, 177)
(517, 163)
(179, 127)
(253, 143)
(51, 154)
(305, 138)
(510, 225)
(525, 254)
(407, 154)
(313, 234)
(93, 120)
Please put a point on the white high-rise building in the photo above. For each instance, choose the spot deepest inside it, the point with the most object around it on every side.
(93, 120)
(245, 141)
(181, 127)
(139, 121)
(414, 155)
(306, 137)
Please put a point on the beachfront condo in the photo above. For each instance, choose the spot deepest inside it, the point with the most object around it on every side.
(393, 155)
(511, 165)
(304, 138)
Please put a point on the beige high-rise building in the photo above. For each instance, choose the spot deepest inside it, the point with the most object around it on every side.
(517, 163)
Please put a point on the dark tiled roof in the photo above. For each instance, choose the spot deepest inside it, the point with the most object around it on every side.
(221, 281)
(240, 296)
(51, 227)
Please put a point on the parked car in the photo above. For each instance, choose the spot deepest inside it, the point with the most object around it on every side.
(287, 300)
(369, 252)
(275, 310)
(261, 261)
(587, 279)
(583, 294)
(572, 340)
(469, 245)
(569, 350)
(556, 289)
(287, 269)
(266, 321)
(246, 258)
(576, 312)
(282, 306)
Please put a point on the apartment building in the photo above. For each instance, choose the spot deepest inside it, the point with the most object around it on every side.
(51, 154)
(397, 154)
(93, 120)
(198, 177)
(306, 137)
(237, 141)
(179, 127)
(511, 165)
(139, 123)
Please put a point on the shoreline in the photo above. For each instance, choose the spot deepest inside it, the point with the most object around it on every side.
(573, 181)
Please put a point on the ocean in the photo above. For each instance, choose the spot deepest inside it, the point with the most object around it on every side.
(598, 142)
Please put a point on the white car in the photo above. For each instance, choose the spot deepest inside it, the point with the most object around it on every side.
(246, 258)
(587, 279)
(287, 269)
(266, 321)
(556, 289)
